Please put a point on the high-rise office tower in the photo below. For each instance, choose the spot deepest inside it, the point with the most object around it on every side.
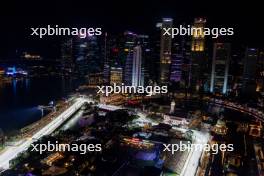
(154, 63)
(116, 75)
(198, 58)
(137, 52)
(176, 67)
(130, 42)
(260, 71)
(236, 71)
(249, 72)
(198, 37)
(220, 68)
(106, 69)
(80, 53)
(177, 60)
(128, 69)
(114, 49)
(165, 51)
(185, 53)
(137, 71)
(67, 61)
(147, 59)
(87, 53)
(261, 60)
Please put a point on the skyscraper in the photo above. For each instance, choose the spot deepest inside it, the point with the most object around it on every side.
(260, 72)
(130, 42)
(87, 53)
(198, 38)
(106, 69)
(165, 52)
(176, 67)
(116, 75)
(249, 72)
(220, 68)
(147, 58)
(128, 68)
(198, 58)
(67, 62)
(137, 72)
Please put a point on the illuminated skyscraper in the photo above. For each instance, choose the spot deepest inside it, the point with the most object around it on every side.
(176, 67)
(128, 69)
(220, 68)
(198, 58)
(87, 53)
(116, 75)
(137, 72)
(198, 38)
(147, 58)
(165, 51)
(249, 73)
(260, 72)
(130, 42)
(106, 69)
(177, 58)
(67, 61)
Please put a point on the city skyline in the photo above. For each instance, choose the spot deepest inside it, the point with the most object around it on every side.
(134, 88)
(112, 17)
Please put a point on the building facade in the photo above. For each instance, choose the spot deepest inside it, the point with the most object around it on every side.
(220, 68)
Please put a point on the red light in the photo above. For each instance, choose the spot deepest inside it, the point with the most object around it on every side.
(115, 50)
(135, 139)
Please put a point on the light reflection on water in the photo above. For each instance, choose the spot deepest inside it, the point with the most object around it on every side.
(19, 99)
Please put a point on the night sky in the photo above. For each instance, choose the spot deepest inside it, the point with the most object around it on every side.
(116, 16)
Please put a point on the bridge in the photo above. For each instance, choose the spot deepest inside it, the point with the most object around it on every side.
(11, 152)
(237, 107)
(108, 107)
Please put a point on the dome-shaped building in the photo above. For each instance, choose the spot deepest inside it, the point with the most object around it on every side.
(220, 127)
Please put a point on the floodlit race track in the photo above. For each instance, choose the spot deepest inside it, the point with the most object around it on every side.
(12, 151)
(192, 162)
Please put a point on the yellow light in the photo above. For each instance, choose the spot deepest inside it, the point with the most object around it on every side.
(258, 88)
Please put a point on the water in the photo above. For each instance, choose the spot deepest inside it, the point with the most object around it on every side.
(19, 99)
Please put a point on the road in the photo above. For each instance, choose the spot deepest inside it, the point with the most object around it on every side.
(12, 151)
(237, 107)
(192, 162)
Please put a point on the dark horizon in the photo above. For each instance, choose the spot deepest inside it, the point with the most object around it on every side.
(116, 17)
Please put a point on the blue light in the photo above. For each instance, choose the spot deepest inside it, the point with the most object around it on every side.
(11, 71)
